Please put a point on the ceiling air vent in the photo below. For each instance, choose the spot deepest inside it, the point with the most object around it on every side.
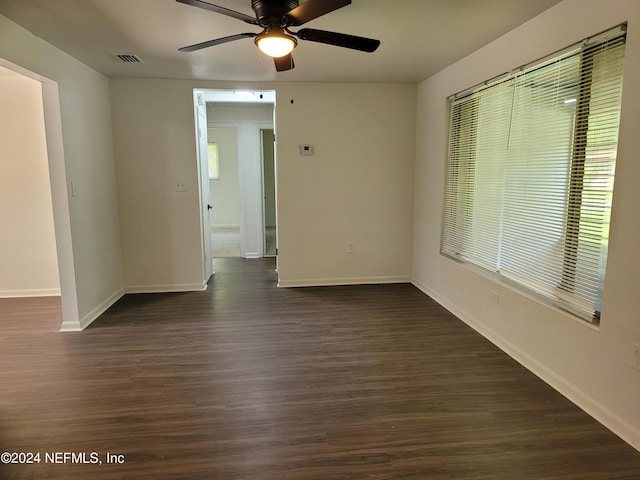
(129, 58)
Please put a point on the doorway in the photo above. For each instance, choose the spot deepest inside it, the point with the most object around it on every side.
(38, 257)
(224, 191)
(235, 122)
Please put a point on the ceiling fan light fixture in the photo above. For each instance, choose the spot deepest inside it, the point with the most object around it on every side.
(275, 17)
(276, 43)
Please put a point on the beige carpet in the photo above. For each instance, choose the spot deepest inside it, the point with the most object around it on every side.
(225, 241)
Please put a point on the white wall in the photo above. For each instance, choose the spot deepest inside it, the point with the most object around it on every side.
(357, 187)
(28, 258)
(224, 192)
(590, 366)
(154, 142)
(79, 140)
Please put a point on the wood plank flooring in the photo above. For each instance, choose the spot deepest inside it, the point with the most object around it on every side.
(247, 381)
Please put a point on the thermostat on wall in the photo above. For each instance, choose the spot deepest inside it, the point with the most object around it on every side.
(306, 149)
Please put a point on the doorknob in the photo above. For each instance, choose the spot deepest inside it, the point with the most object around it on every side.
(209, 207)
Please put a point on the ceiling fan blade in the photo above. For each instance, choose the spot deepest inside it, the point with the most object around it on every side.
(313, 9)
(222, 10)
(284, 63)
(217, 41)
(339, 39)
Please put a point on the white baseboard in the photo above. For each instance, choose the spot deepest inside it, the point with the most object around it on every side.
(70, 327)
(93, 314)
(170, 288)
(601, 413)
(102, 307)
(326, 282)
(36, 292)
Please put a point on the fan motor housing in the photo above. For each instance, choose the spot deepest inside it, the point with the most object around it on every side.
(269, 10)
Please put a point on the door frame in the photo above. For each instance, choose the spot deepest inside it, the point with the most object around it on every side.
(267, 97)
(202, 155)
(59, 198)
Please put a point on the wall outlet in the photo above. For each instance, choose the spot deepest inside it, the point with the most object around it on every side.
(351, 248)
(179, 186)
(306, 149)
(494, 297)
(635, 361)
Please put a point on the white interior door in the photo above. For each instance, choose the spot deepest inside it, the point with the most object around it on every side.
(203, 169)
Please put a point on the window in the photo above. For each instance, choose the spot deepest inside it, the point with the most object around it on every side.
(214, 162)
(529, 176)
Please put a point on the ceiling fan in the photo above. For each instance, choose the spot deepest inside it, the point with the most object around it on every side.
(275, 17)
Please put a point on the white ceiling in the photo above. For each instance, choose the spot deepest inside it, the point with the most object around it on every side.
(419, 37)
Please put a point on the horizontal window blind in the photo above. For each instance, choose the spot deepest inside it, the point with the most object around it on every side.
(529, 175)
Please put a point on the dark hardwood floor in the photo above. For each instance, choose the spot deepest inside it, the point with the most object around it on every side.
(247, 381)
